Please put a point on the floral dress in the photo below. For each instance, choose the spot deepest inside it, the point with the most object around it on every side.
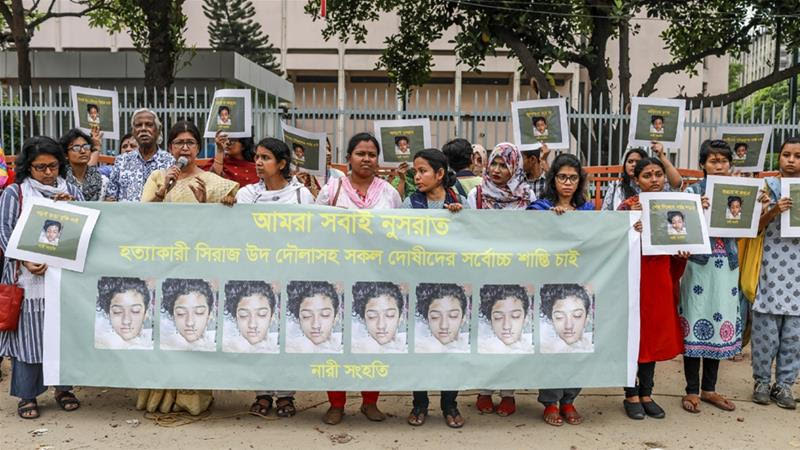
(709, 307)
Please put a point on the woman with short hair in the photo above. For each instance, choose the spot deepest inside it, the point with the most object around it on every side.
(78, 148)
(189, 183)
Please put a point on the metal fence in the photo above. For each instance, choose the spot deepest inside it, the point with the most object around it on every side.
(483, 116)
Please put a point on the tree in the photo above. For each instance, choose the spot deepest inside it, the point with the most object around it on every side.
(543, 33)
(157, 29)
(20, 23)
(232, 28)
(540, 34)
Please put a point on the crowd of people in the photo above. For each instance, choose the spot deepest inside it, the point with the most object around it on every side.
(680, 296)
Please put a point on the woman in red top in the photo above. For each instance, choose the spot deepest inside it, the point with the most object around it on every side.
(233, 159)
(660, 336)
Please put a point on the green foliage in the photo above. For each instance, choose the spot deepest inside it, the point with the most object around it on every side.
(157, 29)
(760, 105)
(232, 28)
(735, 70)
(556, 31)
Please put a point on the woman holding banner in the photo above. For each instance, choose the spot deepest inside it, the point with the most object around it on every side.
(618, 191)
(361, 189)
(434, 182)
(709, 305)
(41, 168)
(565, 191)
(277, 185)
(661, 338)
(504, 186)
(233, 159)
(185, 182)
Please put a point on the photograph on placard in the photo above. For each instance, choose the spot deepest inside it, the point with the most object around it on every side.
(314, 317)
(308, 149)
(656, 119)
(231, 113)
(379, 317)
(566, 318)
(673, 222)
(53, 233)
(735, 208)
(400, 139)
(124, 313)
(442, 318)
(537, 122)
(251, 317)
(95, 108)
(749, 145)
(790, 220)
(188, 320)
(505, 322)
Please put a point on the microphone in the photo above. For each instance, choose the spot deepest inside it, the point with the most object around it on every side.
(180, 164)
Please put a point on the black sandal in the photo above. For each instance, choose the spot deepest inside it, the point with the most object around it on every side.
(25, 406)
(65, 399)
(284, 407)
(451, 416)
(259, 408)
(417, 416)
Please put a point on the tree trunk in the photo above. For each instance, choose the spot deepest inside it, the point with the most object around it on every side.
(776, 64)
(159, 71)
(599, 98)
(624, 65)
(22, 41)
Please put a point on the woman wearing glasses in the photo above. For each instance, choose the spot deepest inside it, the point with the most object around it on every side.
(41, 168)
(277, 185)
(565, 190)
(184, 183)
(78, 148)
(187, 183)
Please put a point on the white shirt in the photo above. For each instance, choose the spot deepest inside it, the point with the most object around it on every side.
(293, 193)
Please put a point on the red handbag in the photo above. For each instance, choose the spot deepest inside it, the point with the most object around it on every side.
(11, 296)
(10, 305)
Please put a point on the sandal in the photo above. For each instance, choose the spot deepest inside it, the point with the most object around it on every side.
(24, 407)
(67, 401)
(259, 408)
(717, 400)
(551, 416)
(506, 407)
(453, 418)
(417, 416)
(284, 407)
(570, 414)
(485, 404)
(691, 403)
